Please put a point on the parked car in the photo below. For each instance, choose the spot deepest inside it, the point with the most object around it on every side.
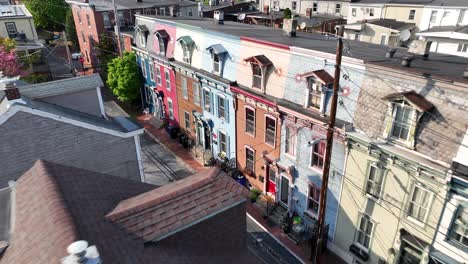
(76, 55)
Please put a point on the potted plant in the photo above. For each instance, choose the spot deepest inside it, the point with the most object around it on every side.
(254, 193)
(289, 23)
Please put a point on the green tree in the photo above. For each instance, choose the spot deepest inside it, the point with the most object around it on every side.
(123, 77)
(8, 43)
(287, 14)
(70, 29)
(105, 53)
(48, 14)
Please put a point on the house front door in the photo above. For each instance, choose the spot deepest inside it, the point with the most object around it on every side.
(200, 135)
(284, 191)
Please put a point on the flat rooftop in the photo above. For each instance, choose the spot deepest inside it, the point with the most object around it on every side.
(437, 65)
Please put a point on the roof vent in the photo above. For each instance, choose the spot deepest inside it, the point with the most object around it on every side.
(406, 61)
(218, 17)
(80, 253)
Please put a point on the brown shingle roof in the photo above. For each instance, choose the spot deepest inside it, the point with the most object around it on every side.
(321, 75)
(168, 209)
(413, 98)
(259, 59)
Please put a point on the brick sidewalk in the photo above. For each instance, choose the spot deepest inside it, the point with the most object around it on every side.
(173, 145)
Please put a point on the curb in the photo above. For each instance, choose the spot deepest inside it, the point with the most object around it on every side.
(178, 159)
(276, 239)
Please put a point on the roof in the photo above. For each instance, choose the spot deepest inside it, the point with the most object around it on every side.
(5, 216)
(162, 33)
(217, 49)
(106, 5)
(59, 87)
(455, 3)
(390, 23)
(186, 40)
(259, 59)
(403, 2)
(317, 19)
(321, 75)
(57, 205)
(17, 11)
(413, 98)
(175, 206)
(143, 28)
(458, 29)
(437, 64)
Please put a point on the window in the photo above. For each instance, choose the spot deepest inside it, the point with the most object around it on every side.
(171, 108)
(196, 93)
(374, 181)
(151, 70)
(383, 39)
(412, 13)
(364, 233)
(158, 75)
(222, 142)
(271, 175)
(190, 12)
(87, 56)
(11, 29)
(338, 8)
(79, 16)
(459, 230)
(371, 11)
(106, 19)
(221, 107)
(148, 95)
(318, 154)
(250, 121)
(315, 94)
(249, 159)
(433, 17)
(462, 47)
(270, 130)
(419, 204)
(88, 19)
(143, 67)
(207, 100)
(353, 12)
(187, 120)
(356, 36)
(313, 199)
(167, 75)
(186, 53)
(314, 7)
(402, 113)
(257, 76)
(183, 82)
(461, 17)
(290, 141)
(216, 63)
(293, 6)
(83, 38)
(142, 38)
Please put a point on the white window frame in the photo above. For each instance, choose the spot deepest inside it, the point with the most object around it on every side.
(312, 156)
(221, 109)
(141, 37)
(143, 66)
(167, 77)
(216, 64)
(151, 70)
(386, 39)
(147, 93)
(187, 121)
(462, 47)
(248, 148)
(221, 132)
(183, 83)
(252, 133)
(461, 16)
(412, 14)
(353, 12)
(256, 76)
(409, 123)
(12, 30)
(433, 17)
(207, 107)
(379, 172)
(358, 230)
(271, 144)
(196, 94)
(290, 141)
(158, 75)
(460, 208)
(371, 12)
(170, 108)
(186, 50)
(337, 8)
(315, 88)
(429, 204)
(309, 198)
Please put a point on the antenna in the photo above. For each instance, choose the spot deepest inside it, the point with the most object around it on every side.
(404, 35)
(303, 25)
(241, 17)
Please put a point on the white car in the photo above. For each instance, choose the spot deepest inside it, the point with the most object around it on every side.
(76, 55)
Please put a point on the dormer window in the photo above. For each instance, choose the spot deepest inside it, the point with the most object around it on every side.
(218, 53)
(319, 83)
(405, 110)
(260, 65)
(163, 39)
(142, 32)
(187, 45)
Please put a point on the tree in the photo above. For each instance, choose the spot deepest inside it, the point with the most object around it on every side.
(48, 14)
(287, 14)
(70, 29)
(8, 43)
(123, 77)
(9, 65)
(105, 52)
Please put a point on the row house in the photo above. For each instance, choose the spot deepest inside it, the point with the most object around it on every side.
(95, 20)
(154, 49)
(308, 8)
(408, 127)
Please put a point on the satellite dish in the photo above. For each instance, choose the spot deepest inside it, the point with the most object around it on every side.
(405, 35)
(241, 16)
(303, 25)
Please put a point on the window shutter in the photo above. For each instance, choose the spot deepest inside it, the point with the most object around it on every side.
(226, 109)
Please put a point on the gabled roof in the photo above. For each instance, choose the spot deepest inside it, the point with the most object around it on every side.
(262, 60)
(142, 28)
(186, 40)
(161, 33)
(217, 49)
(390, 23)
(159, 213)
(458, 29)
(413, 98)
(321, 75)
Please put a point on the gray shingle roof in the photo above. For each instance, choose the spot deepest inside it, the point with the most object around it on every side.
(458, 29)
(390, 23)
(449, 3)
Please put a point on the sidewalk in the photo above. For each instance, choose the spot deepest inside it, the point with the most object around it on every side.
(301, 251)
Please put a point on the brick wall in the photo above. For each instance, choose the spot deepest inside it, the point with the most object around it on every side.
(187, 105)
(94, 29)
(27, 138)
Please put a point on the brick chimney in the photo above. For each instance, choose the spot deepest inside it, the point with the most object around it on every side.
(12, 92)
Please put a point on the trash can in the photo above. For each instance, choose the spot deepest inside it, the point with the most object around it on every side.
(241, 179)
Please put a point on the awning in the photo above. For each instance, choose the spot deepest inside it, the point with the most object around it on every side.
(443, 258)
(186, 41)
(217, 49)
(161, 33)
(321, 75)
(413, 98)
(262, 60)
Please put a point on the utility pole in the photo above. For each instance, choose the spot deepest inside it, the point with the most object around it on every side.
(328, 151)
(117, 28)
(68, 50)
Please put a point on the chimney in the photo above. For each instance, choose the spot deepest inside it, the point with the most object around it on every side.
(12, 92)
(420, 47)
(80, 253)
(406, 61)
(218, 17)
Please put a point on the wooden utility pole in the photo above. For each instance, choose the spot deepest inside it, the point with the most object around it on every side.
(117, 28)
(68, 50)
(328, 151)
